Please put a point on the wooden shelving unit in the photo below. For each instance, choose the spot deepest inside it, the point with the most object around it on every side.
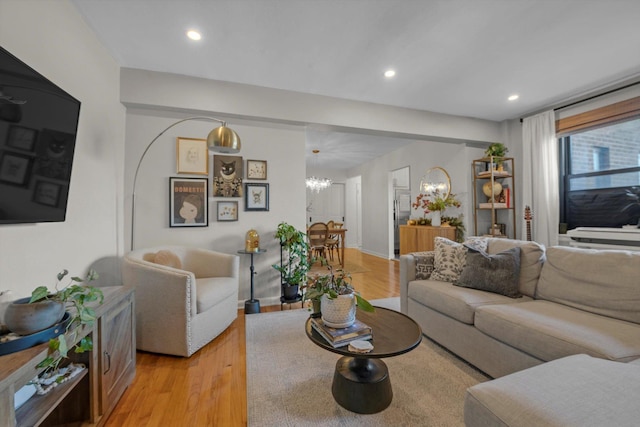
(489, 212)
(88, 398)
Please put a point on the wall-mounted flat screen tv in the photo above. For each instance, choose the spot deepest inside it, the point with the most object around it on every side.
(38, 125)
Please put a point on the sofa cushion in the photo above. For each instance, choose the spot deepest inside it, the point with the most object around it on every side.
(549, 331)
(210, 291)
(497, 273)
(532, 256)
(601, 282)
(450, 257)
(574, 391)
(454, 301)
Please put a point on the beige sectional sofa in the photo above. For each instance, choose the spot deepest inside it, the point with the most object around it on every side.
(574, 302)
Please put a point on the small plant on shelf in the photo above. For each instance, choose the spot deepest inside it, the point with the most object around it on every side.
(75, 297)
(497, 150)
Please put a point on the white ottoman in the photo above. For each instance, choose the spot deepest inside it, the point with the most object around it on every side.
(573, 391)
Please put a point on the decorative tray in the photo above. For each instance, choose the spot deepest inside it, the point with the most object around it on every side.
(27, 341)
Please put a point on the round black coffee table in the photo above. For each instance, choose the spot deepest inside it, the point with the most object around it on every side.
(361, 381)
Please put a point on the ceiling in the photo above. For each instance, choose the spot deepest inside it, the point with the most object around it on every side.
(460, 57)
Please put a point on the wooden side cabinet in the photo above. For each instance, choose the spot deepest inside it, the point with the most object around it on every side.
(419, 238)
(88, 398)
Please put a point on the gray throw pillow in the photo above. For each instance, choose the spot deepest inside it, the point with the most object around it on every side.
(497, 273)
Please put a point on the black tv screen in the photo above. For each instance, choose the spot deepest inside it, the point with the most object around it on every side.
(38, 125)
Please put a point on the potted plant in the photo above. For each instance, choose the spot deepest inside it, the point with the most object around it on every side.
(458, 223)
(295, 262)
(497, 150)
(74, 297)
(338, 299)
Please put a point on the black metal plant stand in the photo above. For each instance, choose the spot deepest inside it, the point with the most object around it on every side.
(252, 306)
(283, 299)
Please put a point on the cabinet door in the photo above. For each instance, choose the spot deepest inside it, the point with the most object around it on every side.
(408, 241)
(117, 353)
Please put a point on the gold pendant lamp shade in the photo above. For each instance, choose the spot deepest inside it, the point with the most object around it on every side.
(223, 140)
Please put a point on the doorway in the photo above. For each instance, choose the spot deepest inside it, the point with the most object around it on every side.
(400, 205)
(326, 205)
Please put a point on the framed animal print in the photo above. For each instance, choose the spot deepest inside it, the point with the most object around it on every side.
(192, 156)
(227, 176)
(256, 197)
(188, 202)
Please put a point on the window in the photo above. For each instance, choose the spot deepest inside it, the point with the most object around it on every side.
(597, 167)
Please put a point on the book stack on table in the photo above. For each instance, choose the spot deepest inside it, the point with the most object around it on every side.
(339, 337)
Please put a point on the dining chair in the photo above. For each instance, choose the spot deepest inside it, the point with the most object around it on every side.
(333, 242)
(318, 233)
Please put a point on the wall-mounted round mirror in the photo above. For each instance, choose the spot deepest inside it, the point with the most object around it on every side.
(436, 183)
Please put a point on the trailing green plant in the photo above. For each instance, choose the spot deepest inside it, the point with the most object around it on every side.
(296, 261)
(75, 297)
(458, 223)
(332, 284)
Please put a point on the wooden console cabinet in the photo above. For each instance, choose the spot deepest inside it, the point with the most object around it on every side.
(419, 238)
(88, 398)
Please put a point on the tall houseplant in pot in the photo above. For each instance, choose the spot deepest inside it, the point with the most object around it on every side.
(73, 298)
(338, 298)
(295, 259)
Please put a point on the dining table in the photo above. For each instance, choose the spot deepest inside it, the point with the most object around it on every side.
(340, 232)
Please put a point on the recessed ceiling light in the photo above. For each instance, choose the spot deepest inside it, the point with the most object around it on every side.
(389, 73)
(194, 35)
(513, 97)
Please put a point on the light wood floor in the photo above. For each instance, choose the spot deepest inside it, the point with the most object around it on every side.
(209, 388)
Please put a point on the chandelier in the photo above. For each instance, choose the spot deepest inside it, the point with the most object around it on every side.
(316, 184)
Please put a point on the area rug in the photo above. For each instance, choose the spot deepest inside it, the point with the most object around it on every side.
(289, 380)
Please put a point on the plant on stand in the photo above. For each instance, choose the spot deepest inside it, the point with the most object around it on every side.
(436, 204)
(295, 262)
(338, 299)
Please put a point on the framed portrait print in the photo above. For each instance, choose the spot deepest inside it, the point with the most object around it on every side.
(256, 197)
(256, 169)
(227, 211)
(47, 193)
(15, 169)
(192, 156)
(22, 138)
(227, 176)
(188, 202)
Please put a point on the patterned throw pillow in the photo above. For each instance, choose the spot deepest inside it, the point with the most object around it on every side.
(450, 257)
(424, 264)
(497, 273)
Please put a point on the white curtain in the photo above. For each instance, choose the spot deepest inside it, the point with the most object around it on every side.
(540, 177)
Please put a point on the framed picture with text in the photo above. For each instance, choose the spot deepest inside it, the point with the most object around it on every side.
(22, 138)
(256, 197)
(188, 202)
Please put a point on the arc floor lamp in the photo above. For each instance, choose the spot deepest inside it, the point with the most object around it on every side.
(220, 140)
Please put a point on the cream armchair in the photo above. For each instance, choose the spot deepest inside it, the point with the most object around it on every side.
(185, 297)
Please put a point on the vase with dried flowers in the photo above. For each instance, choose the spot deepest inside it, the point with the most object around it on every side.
(435, 204)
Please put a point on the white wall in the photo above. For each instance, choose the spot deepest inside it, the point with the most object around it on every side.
(52, 38)
(286, 193)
